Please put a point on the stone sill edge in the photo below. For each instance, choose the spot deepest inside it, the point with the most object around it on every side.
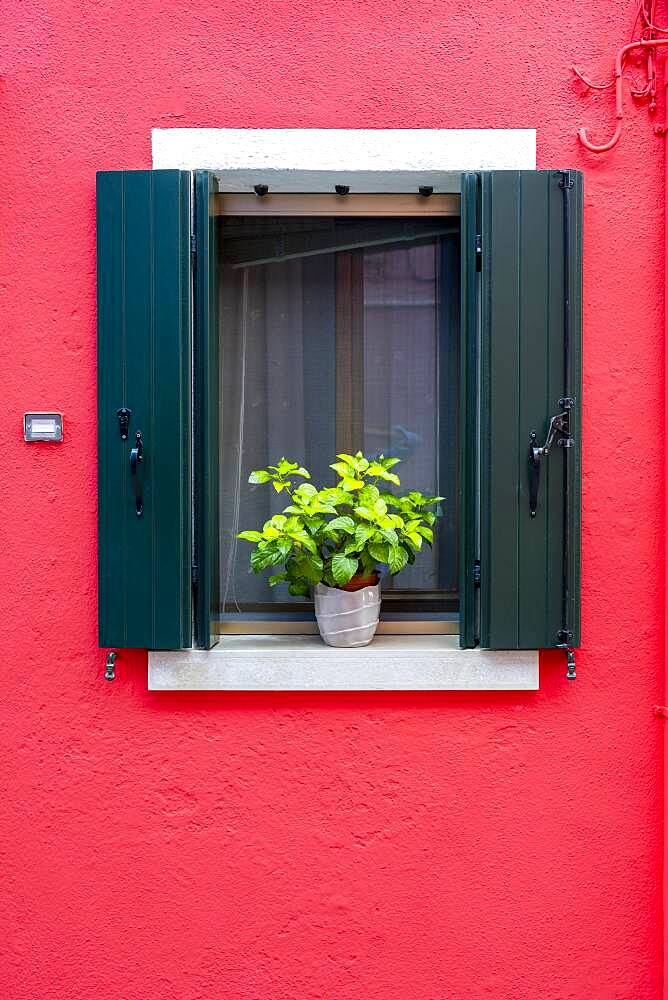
(304, 663)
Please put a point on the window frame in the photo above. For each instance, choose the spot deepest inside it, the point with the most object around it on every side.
(324, 204)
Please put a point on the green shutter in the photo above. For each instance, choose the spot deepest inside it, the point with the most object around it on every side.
(530, 576)
(468, 416)
(143, 300)
(206, 413)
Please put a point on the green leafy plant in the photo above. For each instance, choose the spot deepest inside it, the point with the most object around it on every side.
(332, 534)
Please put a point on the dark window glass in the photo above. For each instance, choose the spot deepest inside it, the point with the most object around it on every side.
(339, 334)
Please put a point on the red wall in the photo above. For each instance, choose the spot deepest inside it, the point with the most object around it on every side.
(320, 846)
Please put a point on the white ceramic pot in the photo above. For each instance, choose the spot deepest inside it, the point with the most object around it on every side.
(347, 618)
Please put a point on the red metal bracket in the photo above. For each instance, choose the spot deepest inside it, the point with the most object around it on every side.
(648, 43)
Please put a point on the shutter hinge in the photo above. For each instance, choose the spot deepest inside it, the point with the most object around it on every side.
(478, 253)
(193, 244)
(476, 573)
(567, 181)
(194, 575)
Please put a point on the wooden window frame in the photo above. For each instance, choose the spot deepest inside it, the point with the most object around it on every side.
(349, 316)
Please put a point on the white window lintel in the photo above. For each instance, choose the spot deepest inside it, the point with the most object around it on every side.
(369, 160)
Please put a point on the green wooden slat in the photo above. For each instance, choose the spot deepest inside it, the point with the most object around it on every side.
(522, 380)
(538, 295)
(575, 510)
(501, 456)
(468, 448)
(112, 565)
(207, 415)
(552, 474)
(144, 364)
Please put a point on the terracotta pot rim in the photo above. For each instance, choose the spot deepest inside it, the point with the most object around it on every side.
(359, 582)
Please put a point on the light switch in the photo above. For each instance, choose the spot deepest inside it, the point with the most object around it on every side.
(43, 426)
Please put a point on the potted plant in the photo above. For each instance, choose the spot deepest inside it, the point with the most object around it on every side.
(334, 540)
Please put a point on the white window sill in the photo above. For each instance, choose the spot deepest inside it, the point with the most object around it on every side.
(305, 663)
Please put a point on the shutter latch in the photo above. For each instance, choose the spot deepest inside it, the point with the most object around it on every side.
(123, 415)
(478, 253)
(559, 433)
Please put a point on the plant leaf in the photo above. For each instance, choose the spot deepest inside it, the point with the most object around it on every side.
(414, 539)
(379, 551)
(343, 568)
(260, 559)
(364, 513)
(390, 535)
(380, 472)
(342, 469)
(285, 466)
(303, 539)
(284, 546)
(277, 578)
(259, 476)
(363, 533)
(391, 500)
(342, 523)
(397, 559)
(250, 536)
(351, 484)
(368, 496)
(309, 569)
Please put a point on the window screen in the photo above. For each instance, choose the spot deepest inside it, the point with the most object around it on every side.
(338, 334)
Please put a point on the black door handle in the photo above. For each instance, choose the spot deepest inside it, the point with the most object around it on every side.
(535, 455)
(559, 432)
(136, 456)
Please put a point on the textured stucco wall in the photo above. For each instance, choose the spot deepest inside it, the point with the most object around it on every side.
(253, 847)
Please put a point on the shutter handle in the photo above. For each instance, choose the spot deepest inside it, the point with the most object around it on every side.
(136, 456)
(558, 432)
(535, 455)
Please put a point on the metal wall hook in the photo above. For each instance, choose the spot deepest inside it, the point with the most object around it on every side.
(110, 666)
(649, 44)
(261, 190)
(342, 188)
(565, 637)
(425, 190)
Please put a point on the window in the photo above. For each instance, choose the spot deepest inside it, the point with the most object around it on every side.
(295, 320)
(339, 333)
